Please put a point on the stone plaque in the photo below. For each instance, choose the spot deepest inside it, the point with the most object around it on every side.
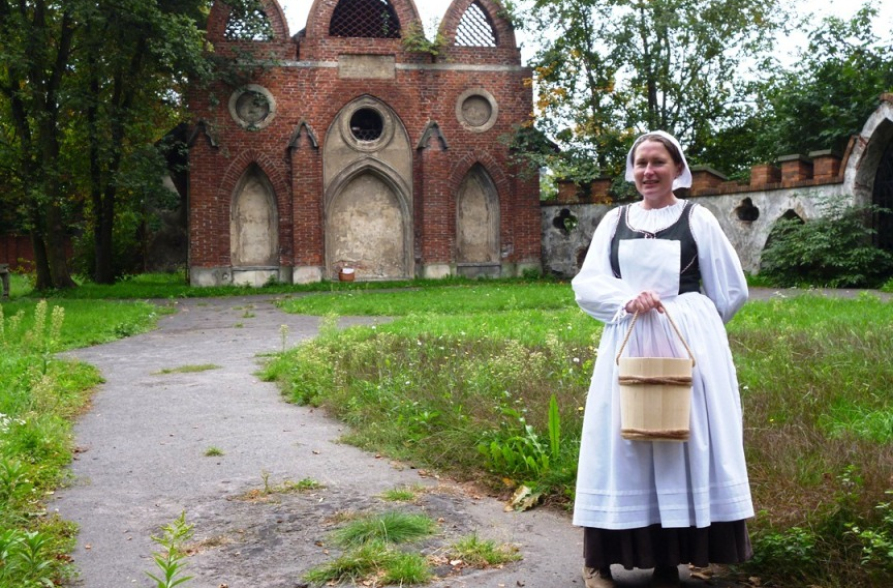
(374, 67)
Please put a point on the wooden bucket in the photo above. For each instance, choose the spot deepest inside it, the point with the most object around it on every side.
(655, 394)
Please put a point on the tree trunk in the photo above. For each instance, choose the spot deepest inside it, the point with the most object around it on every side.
(43, 278)
(57, 256)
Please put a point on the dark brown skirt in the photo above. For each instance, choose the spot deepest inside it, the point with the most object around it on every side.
(648, 547)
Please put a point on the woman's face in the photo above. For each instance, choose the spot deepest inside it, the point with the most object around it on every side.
(654, 171)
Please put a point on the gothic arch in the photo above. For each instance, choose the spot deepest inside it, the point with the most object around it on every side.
(868, 151)
(788, 215)
(320, 16)
(470, 11)
(882, 197)
(477, 220)
(220, 15)
(254, 221)
(368, 222)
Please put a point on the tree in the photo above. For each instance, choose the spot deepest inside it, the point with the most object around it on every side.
(826, 98)
(85, 86)
(36, 41)
(137, 59)
(608, 70)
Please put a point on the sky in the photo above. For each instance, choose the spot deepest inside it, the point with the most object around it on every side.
(432, 11)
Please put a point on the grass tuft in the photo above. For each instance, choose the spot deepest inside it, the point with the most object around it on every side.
(482, 553)
(391, 527)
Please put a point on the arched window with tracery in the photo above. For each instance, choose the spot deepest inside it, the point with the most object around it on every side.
(475, 29)
(250, 24)
(883, 198)
(365, 18)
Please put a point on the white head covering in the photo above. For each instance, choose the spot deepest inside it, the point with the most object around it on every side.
(684, 179)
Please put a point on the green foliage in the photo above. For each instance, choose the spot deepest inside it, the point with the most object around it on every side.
(171, 558)
(522, 452)
(477, 552)
(833, 250)
(790, 553)
(826, 97)
(606, 71)
(26, 559)
(415, 41)
(877, 542)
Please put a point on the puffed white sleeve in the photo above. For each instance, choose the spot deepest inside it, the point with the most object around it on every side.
(721, 274)
(597, 291)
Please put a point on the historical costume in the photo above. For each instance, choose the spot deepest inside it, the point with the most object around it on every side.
(658, 504)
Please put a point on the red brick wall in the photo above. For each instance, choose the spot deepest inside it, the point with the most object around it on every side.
(15, 249)
(311, 92)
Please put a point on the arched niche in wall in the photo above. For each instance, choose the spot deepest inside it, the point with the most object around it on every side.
(368, 225)
(477, 224)
(882, 197)
(254, 221)
(788, 216)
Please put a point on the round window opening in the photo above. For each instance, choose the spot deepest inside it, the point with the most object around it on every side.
(366, 124)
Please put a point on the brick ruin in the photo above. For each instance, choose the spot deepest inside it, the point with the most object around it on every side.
(343, 148)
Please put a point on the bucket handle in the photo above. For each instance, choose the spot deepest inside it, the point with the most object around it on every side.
(675, 328)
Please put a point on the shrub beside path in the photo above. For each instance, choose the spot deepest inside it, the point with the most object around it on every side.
(142, 461)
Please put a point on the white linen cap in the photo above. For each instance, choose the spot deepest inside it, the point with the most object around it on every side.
(684, 179)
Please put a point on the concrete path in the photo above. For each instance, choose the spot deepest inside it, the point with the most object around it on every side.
(142, 461)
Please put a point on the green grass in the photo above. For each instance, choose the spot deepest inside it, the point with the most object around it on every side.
(41, 395)
(375, 560)
(390, 527)
(401, 494)
(369, 551)
(189, 369)
(464, 387)
(480, 553)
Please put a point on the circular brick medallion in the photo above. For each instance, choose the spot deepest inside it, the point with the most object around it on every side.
(252, 107)
(476, 110)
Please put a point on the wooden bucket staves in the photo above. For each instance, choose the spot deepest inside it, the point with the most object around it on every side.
(655, 393)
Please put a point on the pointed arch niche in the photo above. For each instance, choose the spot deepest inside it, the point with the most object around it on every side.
(477, 225)
(367, 227)
(254, 228)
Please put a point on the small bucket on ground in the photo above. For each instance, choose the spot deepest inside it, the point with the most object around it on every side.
(655, 394)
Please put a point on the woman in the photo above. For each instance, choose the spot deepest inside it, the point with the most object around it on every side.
(660, 504)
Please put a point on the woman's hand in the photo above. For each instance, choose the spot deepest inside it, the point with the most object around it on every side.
(647, 300)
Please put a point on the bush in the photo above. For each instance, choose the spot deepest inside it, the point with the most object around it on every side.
(834, 250)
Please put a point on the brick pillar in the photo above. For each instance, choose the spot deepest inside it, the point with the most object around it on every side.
(307, 207)
(825, 164)
(795, 168)
(763, 174)
(435, 226)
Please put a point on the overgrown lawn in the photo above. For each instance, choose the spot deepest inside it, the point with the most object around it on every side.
(461, 380)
